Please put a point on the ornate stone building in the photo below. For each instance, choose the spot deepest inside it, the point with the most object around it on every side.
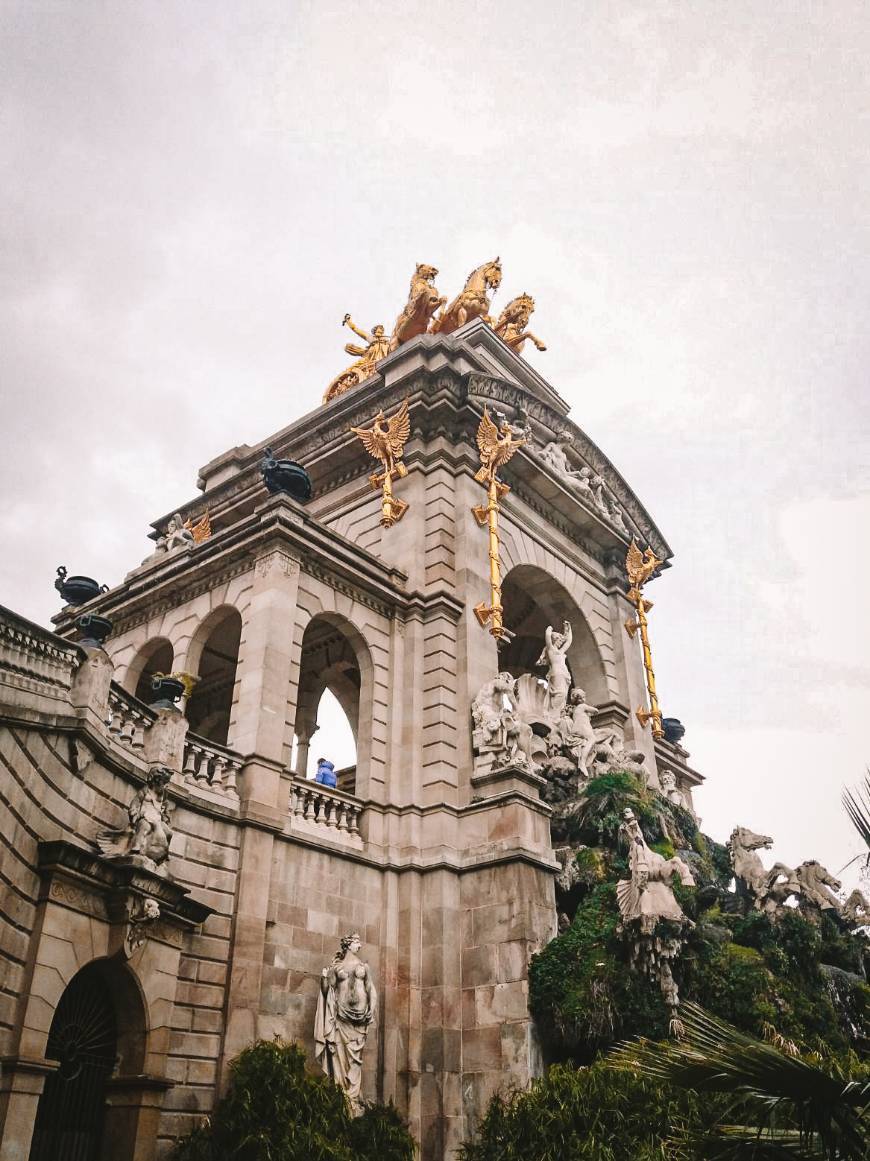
(440, 860)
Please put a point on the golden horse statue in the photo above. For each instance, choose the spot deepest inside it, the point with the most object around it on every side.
(512, 323)
(423, 301)
(473, 302)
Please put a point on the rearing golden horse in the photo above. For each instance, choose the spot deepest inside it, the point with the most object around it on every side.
(473, 302)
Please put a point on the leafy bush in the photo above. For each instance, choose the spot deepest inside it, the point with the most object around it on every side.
(275, 1110)
(589, 1114)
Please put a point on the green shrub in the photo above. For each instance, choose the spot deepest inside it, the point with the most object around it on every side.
(276, 1110)
(589, 1114)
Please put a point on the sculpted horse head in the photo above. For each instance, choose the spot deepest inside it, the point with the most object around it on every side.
(423, 301)
(518, 311)
(818, 884)
(747, 865)
(473, 301)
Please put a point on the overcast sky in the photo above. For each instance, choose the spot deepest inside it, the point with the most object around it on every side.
(195, 193)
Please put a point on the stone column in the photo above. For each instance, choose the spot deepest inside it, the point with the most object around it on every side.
(260, 729)
(22, 1080)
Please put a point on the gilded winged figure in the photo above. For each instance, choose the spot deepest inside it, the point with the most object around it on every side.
(640, 565)
(497, 445)
(201, 531)
(385, 440)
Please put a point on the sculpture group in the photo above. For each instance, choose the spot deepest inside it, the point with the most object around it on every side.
(809, 886)
(426, 311)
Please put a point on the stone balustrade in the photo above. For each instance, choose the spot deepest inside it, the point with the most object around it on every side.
(325, 812)
(127, 718)
(210, 766)
(34, 659)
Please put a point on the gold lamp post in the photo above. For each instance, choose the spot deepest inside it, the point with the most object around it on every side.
(497, 445)
(385, 441)
(640, 566)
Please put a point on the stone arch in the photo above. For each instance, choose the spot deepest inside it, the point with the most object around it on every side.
(533, 599)
(155, 656)
(213, 657)
(334, 655)
(97, 1038)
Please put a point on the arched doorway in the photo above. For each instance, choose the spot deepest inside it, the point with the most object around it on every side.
(155, 657)
(335, 660)
(83, 1038)
(533, 600)
(215, 652)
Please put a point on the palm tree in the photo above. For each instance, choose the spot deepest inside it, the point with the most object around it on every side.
(857, 804)
(795, 1108)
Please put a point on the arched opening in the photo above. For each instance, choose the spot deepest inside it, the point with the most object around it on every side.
(533, 600)
(215, 651)
(155, 657)
(98, 1030)
(334, 700)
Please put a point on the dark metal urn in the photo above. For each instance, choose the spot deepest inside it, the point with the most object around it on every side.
(167, 690)
(674, 730)
(285, 476)
(77, 590)
(94, 629)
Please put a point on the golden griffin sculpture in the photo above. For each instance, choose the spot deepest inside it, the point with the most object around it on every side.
(385, 441)
(639, 567)
(497, 444)
(513, 321)
(425, 312)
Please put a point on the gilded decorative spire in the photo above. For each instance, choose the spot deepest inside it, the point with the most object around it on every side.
(497, 444)
(640, 566)
(385, 441)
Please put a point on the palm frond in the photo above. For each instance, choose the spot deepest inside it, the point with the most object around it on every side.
(857, 804)
(826, 1109)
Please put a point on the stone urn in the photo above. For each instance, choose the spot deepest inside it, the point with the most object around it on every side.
(285, 476)
(94, 629)
(674, 730)
(77, 590)
(166, 691)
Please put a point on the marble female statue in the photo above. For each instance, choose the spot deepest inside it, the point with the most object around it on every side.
(177, 536)
(346, 1007)
(555, 657)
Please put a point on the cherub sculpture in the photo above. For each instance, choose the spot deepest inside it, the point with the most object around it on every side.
(512, 323)
(148, 832)
(376, 348)
(497, 445)
(423, 301)
(473, 302)
(575, 728)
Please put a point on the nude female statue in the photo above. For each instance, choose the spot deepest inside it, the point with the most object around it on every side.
(554, 656)
(346, 1007)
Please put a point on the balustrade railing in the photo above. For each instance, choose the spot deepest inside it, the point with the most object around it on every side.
(320, 806)
(128, 718)
(208, 765)
(33, 658)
